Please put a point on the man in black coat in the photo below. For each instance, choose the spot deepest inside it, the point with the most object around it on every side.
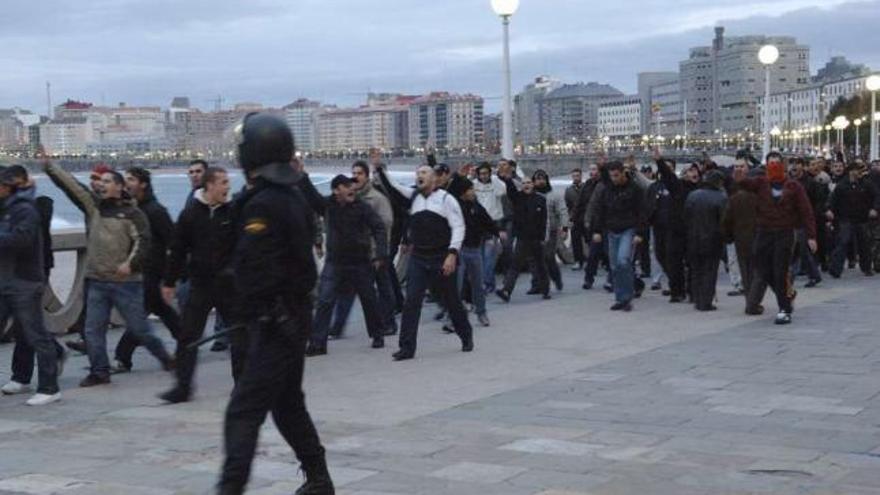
(351, 225)
(854, 203)
(139, 184)
(530, 230)
(704, 212)
(676, 248)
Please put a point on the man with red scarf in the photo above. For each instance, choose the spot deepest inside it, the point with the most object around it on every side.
(782, 207)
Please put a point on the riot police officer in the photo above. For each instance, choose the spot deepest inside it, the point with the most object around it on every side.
(274, 272)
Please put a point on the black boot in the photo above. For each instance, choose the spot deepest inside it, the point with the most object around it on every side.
(318, 480)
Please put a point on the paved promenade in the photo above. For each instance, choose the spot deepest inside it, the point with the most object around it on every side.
(560, 397)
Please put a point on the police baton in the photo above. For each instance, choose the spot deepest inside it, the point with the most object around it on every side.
(216, 335)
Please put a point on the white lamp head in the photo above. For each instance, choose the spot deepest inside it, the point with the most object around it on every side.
(775, 131)
(768, 54)
(873, 83)
(505, 8)
(857, 122)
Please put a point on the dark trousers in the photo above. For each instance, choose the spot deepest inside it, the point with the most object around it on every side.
(335, 277)
(704, 278)
(771, 262)
(851, 235)
(746, 269)
(644, 255)
(153, 303)
(528, 253)
(386, 302)
(803, 258)
(271, 382)
(676, 249)
(550, 264)
(424, 272)
(660, 248)
(22, 301)
(597, 252)
(578, 236)
(202, 298)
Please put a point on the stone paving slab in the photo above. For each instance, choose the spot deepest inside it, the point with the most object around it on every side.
(659, 401)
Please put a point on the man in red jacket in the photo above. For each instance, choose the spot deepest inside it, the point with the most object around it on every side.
(782, 207)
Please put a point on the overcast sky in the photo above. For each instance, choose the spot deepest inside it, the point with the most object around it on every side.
(274, 51)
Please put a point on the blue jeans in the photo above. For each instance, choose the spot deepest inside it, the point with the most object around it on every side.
(23, 301)
(620, 255)
(803, 258)
(489, 255)
(128, 299)
(471, 264)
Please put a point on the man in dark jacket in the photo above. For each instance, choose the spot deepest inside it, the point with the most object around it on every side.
(704, 212)
(350, 226)
(478, 226)
(676, 244)
(202, 248)
(22, 281)
(139, 184)
(620, 217)
(580, 217)
(530, 230)
(572, 198)
(803, 259)
(782, 206)
(854, 203)
(739, 226)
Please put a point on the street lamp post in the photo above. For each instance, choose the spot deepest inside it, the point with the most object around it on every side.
(505, 9)
(858, 124)
(767, 55)
(873, 85)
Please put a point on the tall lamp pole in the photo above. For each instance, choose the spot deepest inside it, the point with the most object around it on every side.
(505, 9)
(767, 55)
(873, 85)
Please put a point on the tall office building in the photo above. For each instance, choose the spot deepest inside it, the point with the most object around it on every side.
(527, 110)
(570, 113)
(446, 121)
(722, 83)
(301, 116)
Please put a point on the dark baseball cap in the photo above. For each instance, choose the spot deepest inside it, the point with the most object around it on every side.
(441, 168)
(340, 180)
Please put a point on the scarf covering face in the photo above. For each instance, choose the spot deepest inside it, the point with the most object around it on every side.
(776, 172)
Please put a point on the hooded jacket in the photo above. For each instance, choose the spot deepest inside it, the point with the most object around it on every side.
(491, 196)
(704, 211)
(161, 233)
(557, 212)
(529, 213)
(118, 231)
(203, 242)
(21, 239)
(791, 211)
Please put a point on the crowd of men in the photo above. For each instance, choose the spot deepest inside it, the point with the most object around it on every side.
(450, 237)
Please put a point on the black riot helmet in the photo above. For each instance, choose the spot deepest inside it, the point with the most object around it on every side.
(265, 148)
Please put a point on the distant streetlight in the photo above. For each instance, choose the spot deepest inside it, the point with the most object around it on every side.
(775, 132)
(505, 9)
(873, 85)
(767, 55)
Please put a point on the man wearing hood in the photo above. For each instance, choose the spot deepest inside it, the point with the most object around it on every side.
(139, 184)
(782, 207)
(117, 250)
(704, 211)
(201, 249)
(22, 282)
(557, 226)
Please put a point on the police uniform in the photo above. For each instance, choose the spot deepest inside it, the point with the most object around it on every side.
(274, 272)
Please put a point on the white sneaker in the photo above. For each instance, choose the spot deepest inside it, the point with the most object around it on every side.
(14, 387)
(43, 399)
